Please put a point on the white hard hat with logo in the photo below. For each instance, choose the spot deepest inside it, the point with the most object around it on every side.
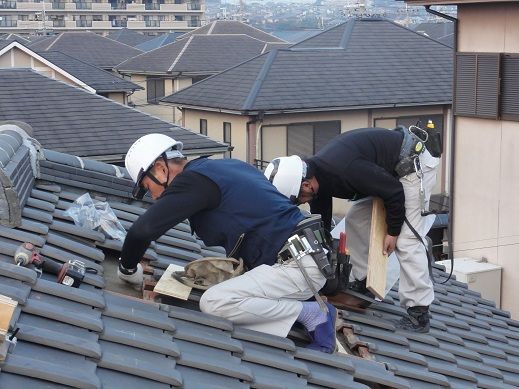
(286, 174)
(145, 151)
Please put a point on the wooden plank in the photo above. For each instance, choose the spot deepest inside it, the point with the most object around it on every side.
(377, 261)
(170, 286)
(7, 307)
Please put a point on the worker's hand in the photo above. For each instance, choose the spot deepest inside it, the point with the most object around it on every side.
(134, 278)
(389, 244)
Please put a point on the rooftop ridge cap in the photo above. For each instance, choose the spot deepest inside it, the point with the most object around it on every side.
(210, 31)
(346, 35)
(251, 98)
(55, 40)
(180, 54)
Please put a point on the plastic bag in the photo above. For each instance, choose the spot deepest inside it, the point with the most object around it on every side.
(96, 215)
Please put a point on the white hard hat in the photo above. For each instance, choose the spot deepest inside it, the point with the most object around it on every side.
(145, 151)
(286, 174)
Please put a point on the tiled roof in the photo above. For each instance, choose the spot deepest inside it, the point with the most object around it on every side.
(294, 36)
(361, 63)
(108, 340)
(91, 338)
(232, 27)
(89, 47)
(159, 41)
(129, 37)
(202, 54)
(101, 80)
(72, 120)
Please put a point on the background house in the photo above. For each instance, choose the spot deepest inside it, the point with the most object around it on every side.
(486, 137)
(63, 67)
(367, 72)
(177, 65)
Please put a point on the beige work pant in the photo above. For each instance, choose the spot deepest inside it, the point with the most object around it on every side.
(266, 298)
(415, 288)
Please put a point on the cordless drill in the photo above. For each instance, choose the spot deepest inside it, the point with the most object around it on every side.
(70, 273)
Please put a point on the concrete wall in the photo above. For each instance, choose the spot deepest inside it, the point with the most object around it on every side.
(486, 187)
(215, 128)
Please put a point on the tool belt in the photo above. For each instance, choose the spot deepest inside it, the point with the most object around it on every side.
(310, 238)
(412, 147)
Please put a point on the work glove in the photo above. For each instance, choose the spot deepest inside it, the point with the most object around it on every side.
(132, 276)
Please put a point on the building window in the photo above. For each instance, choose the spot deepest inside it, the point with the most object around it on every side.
(203, 127)
(154, 89)
(227, 137)
(510, 87)
(306, 139)
(477, 85)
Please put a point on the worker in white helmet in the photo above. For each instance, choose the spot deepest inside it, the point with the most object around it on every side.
(228, 203)
(358, 165)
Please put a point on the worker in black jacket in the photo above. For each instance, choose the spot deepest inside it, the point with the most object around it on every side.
(359, 165)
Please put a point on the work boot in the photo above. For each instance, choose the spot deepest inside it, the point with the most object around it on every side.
(416, 320)
(360, 287)
(323, 337)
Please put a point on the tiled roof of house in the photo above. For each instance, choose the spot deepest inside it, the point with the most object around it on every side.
(159, 41)
(91, 338)
(129, 37)
(101, 80)
(232, 27)
(294, 36)
(89, 47)
(72, 120)
(202, 54)
(13, 37)
(442, 32)
(360, 63)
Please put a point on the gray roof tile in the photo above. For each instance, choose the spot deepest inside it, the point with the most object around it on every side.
(319, 73)
(100, 80)
(232, 27)
(129, 37)
(88, 47)
(54, 122)
(200, 54)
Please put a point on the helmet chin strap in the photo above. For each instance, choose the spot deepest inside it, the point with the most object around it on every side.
(155, 180)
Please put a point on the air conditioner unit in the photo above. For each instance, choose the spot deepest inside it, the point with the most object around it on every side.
(480, 276)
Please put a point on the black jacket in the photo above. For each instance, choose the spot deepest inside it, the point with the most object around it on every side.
(358, 164)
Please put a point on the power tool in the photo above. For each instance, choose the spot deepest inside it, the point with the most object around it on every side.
(70, 273)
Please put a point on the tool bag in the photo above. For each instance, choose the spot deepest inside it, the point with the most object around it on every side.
(206, 272)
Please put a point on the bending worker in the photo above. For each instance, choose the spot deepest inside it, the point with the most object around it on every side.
(228, 203)
(358, 165)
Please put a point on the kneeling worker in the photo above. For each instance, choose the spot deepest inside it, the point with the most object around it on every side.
(369, 162)
(229, 203)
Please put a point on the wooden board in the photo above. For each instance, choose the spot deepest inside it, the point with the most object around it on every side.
(7, 307)
(170, 286)
(377, 261)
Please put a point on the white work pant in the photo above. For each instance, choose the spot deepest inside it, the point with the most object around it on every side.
(266, 298)
(415, 288)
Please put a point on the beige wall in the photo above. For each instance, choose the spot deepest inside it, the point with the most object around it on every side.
(215, 128)
(486, 181)
(117, 96)
(140, 99)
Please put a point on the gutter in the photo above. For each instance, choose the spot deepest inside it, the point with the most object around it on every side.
(452, 138)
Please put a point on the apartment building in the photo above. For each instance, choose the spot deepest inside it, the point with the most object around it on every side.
(100, 16)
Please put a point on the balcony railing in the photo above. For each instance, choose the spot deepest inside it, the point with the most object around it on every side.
(151, 6)
(83, 23)
(194, 6)
(58, 23)
(83, 5)
(8, 23)
(58, 5)
(152, 23)
(194, 23)
(7, 4)
(119, 23)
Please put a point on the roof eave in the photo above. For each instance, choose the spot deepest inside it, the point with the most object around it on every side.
(306, 110)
